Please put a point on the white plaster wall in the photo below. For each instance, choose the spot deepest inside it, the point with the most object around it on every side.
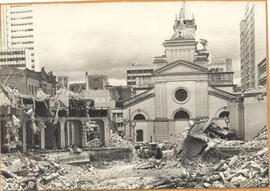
(215, 105)
(146, 106)
(201, 93)
(255, 116)
(161, 99)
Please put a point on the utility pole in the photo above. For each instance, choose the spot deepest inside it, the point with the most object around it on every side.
(131, 124)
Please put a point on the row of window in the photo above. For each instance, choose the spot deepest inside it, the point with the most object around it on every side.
(13, 6)
(26, 36)
(21, 24)
(25, 42)
(12, 59)
(22, 30)
(139, 71)
(131, 77)
(13, 56)
(19, 18)
(12, 52)
(131, 83)
(25, 11)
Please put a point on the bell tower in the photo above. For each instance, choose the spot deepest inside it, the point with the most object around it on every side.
(182, 45)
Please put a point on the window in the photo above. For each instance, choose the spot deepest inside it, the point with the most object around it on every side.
(181, 95)
(224, 114)
(139, 117)
(181, 115)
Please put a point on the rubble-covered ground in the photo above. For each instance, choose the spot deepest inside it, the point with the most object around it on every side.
(239, 164)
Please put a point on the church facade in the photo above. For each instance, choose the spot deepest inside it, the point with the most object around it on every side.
(181, 92)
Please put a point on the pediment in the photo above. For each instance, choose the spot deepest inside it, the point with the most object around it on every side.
(181, 67)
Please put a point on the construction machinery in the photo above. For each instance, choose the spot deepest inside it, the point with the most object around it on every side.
(147, 150)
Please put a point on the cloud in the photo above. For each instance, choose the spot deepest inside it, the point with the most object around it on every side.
(102, 38)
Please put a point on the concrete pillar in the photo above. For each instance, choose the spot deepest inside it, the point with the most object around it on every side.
(237, 118)
(62, 134)
(72, 134)
(106, 132)
(24, 135)
(42, 138)
(68, 133)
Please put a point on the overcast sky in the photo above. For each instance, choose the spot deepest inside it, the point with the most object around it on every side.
(102, 38)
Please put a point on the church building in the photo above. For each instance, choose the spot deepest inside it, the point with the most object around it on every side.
(183, 89)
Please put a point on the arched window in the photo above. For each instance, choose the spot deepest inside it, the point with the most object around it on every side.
(139, 117)
(224, 114)
(181, 115)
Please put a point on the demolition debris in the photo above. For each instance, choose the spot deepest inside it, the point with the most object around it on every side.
(221, 163)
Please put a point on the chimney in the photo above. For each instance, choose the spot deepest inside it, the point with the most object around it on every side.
(86, 81)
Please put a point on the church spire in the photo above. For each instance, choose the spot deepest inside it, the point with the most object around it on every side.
(182, 12)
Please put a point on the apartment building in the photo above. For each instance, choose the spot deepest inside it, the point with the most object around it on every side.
(252, 43)
(17, 31)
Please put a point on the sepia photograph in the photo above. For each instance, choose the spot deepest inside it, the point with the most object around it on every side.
(134, 95)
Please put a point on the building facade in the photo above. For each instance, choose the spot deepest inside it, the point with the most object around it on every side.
(28, 82)
(119, 93)
(62, 82)
(220, 65)
(252, 44)
(15, 58)
(17, 31)
(96, 82)
(262, 72)
(181, 92)
(139, 77)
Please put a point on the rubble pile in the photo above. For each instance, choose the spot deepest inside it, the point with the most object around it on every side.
(118, 141)
(215, 131)
(150, 164)
(247, 168)
(23, 172)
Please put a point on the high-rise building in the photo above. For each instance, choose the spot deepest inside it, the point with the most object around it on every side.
(252, 43)
(19, 58)
(17, 31)
(139, 77)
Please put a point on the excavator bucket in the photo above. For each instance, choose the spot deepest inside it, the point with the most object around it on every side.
(195, 141)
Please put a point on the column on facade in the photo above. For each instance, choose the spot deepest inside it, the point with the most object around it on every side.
(62, 134)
